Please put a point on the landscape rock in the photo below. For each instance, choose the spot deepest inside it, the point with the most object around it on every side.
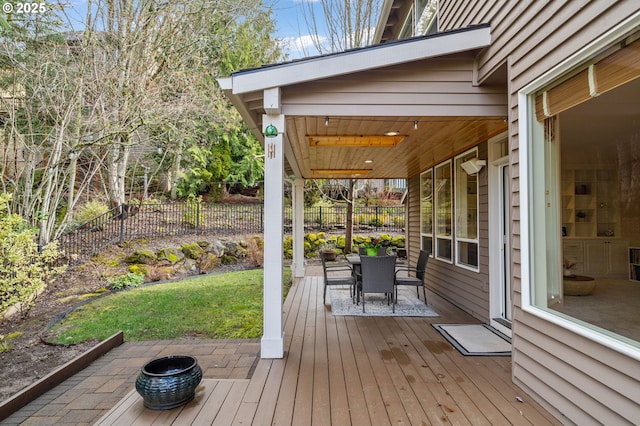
(170, 254)
(140, 269)
(216, 248)
(141, 256)
(208, 263)
(192, 250)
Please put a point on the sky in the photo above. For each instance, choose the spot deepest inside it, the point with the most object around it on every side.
(292, 28)
(289, 15)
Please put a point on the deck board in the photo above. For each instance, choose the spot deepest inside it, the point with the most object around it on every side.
(344, 370)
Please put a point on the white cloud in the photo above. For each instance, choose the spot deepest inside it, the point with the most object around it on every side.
(301, 46)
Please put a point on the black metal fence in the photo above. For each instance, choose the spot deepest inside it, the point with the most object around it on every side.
(132, 222)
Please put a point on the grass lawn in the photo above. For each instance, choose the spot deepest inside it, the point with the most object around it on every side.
(219, 306)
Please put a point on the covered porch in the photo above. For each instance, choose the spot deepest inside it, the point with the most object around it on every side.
(337, 370)
(382, 112)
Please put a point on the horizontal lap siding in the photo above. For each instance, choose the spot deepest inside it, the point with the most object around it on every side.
(413, 224)
(466, 289)
(434, 87)
(579, 380)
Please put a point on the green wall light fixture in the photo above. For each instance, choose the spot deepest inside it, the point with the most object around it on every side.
(271, 131)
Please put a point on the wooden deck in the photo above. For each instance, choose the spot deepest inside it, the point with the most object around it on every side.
(356, 371)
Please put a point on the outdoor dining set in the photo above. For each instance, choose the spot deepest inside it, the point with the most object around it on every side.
(381, 273)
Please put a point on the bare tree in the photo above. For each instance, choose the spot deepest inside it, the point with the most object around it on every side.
(339, 25)
(74, 103)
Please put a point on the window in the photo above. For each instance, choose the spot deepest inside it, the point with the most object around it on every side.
(582, 145)
(407, 30)
(427, 17)
(443, 211)
(466, 207)
(426, 211)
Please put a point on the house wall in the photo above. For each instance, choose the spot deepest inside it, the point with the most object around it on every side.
(578, 379)
(432, 87)
(469, 290)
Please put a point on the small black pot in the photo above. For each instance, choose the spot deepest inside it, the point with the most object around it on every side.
(169, 382)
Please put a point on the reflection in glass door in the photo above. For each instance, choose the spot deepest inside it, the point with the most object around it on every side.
(499, 235)
(505, 285)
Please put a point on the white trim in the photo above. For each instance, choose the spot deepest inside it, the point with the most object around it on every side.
(496, 244)
(298, 263)
(272, 344)
(526, 116)
(593, 85)
(422, 234)
(476, 241)
(437, 237)
(382, 21)
(272, 348)
(375, 57)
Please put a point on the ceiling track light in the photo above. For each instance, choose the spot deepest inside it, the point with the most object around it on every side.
(326, 121)
(415, 124)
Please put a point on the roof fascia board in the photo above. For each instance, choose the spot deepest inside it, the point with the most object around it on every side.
(242, 109)
(382, 22)
(360, 60)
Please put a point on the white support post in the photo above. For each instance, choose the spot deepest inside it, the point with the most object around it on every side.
(272, 344)
(298, 228)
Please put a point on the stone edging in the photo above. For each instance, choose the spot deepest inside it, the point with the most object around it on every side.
(51, 380)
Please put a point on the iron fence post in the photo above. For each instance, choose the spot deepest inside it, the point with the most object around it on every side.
(123, 209)
(198, 218)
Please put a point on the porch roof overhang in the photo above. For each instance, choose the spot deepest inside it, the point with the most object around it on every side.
(422, 88)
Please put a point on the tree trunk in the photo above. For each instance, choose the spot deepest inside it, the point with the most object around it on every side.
(175, 174)
(118, 158)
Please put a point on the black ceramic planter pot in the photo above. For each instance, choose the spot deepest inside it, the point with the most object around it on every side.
(169, 382)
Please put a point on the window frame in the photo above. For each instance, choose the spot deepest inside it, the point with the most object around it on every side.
(436, 205)
(457, 206)
(530, 133)
(426, 234)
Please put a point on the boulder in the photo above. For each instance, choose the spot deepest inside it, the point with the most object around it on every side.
(216, 248)
(170, 255)
(192, 250)
(229, 260)
(139, 269)
(208, 262)
(141, 256)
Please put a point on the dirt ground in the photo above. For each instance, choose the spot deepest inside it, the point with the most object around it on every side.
(31, 357)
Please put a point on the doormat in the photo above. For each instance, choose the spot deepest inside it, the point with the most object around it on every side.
(475, 339)
(408, 304)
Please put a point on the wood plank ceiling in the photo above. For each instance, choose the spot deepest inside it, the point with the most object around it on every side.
(425, 143)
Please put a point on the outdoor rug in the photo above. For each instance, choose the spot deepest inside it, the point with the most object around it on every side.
(408, 304)
(475, 339)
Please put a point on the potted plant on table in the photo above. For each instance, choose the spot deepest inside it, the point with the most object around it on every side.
(371, 246)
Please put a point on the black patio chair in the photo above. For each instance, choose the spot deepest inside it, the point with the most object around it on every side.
(337, 274)
(378, 277)
(418, 272)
